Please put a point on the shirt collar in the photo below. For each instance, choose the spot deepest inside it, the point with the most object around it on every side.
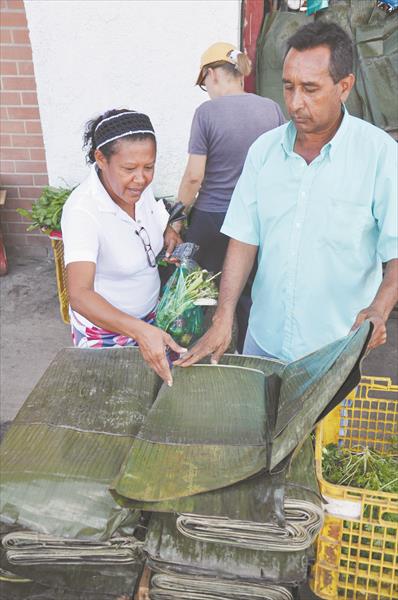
(289, 136)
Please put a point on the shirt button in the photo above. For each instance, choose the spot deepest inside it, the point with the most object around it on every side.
(298, 225)
(138, 220)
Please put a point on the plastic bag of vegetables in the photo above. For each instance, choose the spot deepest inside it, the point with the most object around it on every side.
(180, 309)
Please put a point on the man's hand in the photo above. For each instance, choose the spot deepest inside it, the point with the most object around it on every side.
(215, 342)
(379, 335)
(171, 239)
(153, 343)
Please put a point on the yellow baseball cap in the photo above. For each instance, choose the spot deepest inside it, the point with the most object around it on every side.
(220, 51)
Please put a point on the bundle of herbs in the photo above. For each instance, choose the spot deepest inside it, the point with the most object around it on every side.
(179, 311)
(362, 467)
(47, 210)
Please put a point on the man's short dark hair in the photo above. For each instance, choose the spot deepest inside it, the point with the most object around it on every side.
(323, 33)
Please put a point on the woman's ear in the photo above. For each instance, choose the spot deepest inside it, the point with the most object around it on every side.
(100, 159)
(212, 73)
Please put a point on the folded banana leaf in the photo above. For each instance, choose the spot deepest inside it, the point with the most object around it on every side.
(234, 558)
(172, 587)
(171, 552)
(69, 440)
(31, 548)
(293, 492)
(107, 580)
(221, 424)
(279, 511)
(201, 435)
(313, 386)
(70, 582)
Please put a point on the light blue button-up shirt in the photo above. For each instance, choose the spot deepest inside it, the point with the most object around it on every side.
(323, 231)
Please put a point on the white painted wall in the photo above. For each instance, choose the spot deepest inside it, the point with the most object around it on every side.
(93, 55)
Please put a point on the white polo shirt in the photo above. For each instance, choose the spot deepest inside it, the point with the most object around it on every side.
(96, 229)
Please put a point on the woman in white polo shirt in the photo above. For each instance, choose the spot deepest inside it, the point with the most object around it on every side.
(113, 228)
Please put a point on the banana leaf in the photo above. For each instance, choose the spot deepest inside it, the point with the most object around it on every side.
(169, 551)
(285, 511)
(71, 582)
(201, 435)
(312, 386)
(32, 579)
(260, 512)
(229, 554)
(32, 548)
(221, 424)
(69, 440)
(172, 587)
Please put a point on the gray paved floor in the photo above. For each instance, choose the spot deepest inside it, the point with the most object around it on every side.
(31, 329)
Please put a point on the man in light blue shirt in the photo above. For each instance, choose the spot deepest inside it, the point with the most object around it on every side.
(318, 198)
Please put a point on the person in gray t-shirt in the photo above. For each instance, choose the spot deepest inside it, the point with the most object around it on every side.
(223, 129)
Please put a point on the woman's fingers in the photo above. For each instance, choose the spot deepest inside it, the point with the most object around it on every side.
(162, 368)
(173, 345)
(171, 244)
(153, 349)
(153, 343)
(171, 239)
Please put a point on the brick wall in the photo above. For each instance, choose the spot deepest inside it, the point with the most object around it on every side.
(23, 170)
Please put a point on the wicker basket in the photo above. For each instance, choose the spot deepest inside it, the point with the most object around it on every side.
(60, 272)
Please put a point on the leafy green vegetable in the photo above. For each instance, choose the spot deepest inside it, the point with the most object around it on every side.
(361, 467)
(183, 291)
(47, 210)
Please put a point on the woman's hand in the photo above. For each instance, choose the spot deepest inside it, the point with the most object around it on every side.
(153, 343)
(171, 239)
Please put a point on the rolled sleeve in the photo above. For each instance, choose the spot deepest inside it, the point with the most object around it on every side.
(241, 221)
(385, 203)
(80, 236)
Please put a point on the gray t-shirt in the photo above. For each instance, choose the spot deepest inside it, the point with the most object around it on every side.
(223, 129)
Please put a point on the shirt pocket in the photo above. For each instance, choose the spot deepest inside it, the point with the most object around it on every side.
(346, 224)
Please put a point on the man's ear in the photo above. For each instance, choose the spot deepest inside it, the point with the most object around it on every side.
(346, 85)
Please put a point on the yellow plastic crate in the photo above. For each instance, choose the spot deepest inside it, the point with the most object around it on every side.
(358, 557)
(60, 273)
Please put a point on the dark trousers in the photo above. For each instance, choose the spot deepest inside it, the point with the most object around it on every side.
(204, 230)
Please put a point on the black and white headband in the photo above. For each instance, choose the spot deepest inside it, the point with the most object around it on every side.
(118, 126)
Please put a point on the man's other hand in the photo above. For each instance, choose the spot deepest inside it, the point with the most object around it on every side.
(214, 342)
(379, 335)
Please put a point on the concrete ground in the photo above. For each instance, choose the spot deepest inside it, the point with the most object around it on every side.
(31, 329)
(32, 332)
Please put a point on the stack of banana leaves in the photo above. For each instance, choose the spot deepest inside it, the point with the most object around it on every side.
(221, 460)
(64, 536)
(224, 465)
